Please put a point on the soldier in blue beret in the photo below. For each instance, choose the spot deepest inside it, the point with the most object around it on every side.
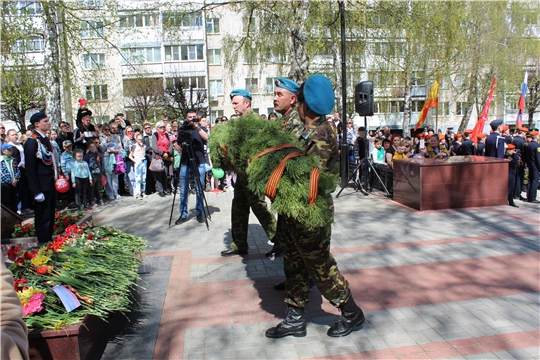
(495, 143)
(241, 101)
(244, 199)
(285, 104)
(306, 252)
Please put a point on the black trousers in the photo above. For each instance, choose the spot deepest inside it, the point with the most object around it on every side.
(520, 176)
(81, 188)
(9, 196)
(44, 216)
(533, 184)
(511, 186)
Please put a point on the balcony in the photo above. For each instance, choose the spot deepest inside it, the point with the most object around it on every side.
(145, 70)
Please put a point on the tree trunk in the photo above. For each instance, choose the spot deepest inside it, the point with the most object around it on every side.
(53, 78)
(298, 57)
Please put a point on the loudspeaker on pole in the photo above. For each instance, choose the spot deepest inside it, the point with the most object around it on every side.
(363, 98)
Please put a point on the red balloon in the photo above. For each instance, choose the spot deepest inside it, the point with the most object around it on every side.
(62, 185)
(103, 180)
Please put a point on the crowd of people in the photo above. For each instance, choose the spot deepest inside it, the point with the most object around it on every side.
(383, 148)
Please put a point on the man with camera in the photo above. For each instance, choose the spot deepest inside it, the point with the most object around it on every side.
(190, 144)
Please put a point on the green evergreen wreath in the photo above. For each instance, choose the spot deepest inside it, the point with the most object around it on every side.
(233, 146)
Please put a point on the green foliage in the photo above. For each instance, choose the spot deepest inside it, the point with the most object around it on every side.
(248, 136)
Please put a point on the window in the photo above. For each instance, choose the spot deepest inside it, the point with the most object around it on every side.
(138, 21)
(381, 48)
(212, 26)
(27, 8)
(93, 61)
(270, 85)
(181, 19)
(248, 24)
(196, 82)
(250, 54)
(91, 29)
(270, 110)
(460, 108)
(143, 55)
(275, 57)
(252, 85)
(214, 57)
(396, 107)
(215, 87)
(96, 92)
(417, 106)
(90, 3)
(34, 44)
(444, 108)
(184, 52)
(215, 114)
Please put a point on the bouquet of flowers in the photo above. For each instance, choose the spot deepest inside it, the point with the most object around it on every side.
(61, 221)
(94, 267)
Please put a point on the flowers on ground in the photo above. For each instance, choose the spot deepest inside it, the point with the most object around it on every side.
(96, 264)
(31, 300)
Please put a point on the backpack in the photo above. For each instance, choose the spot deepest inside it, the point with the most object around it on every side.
(120, 167)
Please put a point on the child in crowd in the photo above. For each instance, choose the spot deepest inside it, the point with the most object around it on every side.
(138, 156)
(95, 164)
(66, 161)
(400, 152)
(377, 153)
(82, 179)
(10, 174)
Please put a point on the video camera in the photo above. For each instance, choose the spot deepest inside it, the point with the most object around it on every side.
(184, 132)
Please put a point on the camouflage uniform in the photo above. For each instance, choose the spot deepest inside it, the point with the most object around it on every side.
(307, 252)
(243, 200)
(292, 123)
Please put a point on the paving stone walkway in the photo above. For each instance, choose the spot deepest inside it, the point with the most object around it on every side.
(460, 284)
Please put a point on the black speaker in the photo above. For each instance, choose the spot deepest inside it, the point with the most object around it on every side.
(363, 98)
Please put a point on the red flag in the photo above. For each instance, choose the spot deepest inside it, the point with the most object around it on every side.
(479, 127)
(431, 101)
(521, 103)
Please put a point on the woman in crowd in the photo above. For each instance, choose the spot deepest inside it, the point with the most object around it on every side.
(128, 143)
(113, 146)
(163, 150)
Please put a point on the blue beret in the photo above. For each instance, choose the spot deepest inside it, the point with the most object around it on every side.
(240, 92)
(38, 117)
(6, 146)
(496, 123)
(319, 94)
(287, 84)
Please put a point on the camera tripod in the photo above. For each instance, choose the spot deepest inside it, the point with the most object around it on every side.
(362, 183)
(199, 187)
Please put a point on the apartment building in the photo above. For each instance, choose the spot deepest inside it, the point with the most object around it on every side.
(139, 45)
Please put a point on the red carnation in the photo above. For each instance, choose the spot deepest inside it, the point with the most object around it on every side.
(43, 269)
(89, 237)
(19, 261)
(12, 252)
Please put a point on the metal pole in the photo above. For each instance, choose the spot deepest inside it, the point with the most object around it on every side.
(344, 145)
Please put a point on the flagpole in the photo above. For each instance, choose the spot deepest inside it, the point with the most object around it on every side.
(437, 119)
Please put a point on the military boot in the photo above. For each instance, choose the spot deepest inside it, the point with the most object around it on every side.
(294, 324)
(352, 317)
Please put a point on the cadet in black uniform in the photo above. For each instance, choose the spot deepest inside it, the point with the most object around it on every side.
(467, 146)
(519, 142)
(512, 156)
(495, 143)
(481, 146)
(40, 165)
(532, 159)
